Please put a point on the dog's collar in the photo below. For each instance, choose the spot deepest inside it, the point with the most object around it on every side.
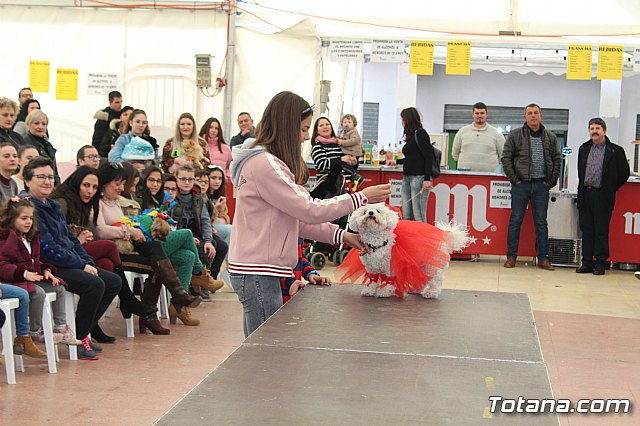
(374, 248)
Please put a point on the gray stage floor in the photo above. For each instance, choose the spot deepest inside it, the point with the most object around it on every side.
(331, 356)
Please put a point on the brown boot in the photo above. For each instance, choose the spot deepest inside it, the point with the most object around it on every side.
(206, 281)
(167, 276)
(23, 345)
(153, 324)
(185, 316)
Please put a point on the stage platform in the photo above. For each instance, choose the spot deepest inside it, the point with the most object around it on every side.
(333, 357)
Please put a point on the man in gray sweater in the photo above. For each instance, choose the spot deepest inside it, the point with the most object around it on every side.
(478, 146)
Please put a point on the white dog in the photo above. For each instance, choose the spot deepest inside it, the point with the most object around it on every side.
(404, 256)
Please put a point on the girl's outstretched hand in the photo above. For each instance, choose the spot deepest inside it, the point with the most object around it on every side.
(377, 193)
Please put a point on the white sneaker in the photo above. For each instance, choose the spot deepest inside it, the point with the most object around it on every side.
(67, 336)
(637, 275)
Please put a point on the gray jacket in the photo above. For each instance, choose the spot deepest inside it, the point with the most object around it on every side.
(516, 156)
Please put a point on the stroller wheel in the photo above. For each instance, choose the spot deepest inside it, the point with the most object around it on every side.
(307, 252)
(318, 260)
(339, 256)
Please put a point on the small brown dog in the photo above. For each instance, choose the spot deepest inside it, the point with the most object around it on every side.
(160, 228)
(193, 151)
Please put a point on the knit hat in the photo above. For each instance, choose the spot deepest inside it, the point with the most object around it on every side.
(138, 149)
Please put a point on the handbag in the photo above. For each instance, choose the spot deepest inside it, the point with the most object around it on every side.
(437, 156)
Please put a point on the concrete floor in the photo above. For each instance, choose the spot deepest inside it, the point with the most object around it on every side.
(588, 326)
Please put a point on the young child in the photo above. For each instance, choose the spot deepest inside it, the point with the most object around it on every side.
(303, 269)
(20, 265)
(22, 344)
(190, 212)
(351, 143)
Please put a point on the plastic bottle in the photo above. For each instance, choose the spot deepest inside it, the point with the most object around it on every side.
(399, 154)
(388, 155)
(367, 152)
(375, 154)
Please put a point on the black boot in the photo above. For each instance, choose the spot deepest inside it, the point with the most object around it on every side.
(129, 304)
(99, 336)
(167, 275)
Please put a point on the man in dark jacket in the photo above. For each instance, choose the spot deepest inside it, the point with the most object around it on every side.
(531, 160)
(602, 170)
(104, 117)
(245, 122)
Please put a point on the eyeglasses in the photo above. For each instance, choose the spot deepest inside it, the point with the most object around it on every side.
(44, 178)
(156, 181)
(171, 189)
(92, 156)
(187, 180)
(307, 110)
(202, 181)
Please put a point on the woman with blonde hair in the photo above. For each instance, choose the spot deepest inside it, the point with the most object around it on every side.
(37, 122)
(185, 129)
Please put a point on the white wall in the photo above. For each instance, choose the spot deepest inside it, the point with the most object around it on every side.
(380, 85)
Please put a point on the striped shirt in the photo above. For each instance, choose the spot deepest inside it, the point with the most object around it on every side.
(595, 160)
(538, 167)
(326, 154)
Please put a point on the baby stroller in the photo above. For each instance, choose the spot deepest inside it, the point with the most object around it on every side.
(328, 186)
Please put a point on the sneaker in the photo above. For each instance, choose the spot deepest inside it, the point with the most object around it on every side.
(67, 336)
(85, 352)
(206, 296)
(38, 336)
(97, 349)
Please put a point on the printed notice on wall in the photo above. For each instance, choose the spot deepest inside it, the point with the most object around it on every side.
(636, 59)
(67, 84)
(39, 76)
(421, 57)
(346, 50)
(500, 197)
(610, 62)
(101, 84)
(458, 58)
(579, 63)
(395, 199)
(387, 51)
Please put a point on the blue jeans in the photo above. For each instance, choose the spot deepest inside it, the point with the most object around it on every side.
(414, 204)
(260, 296)
(521, 194)
(22, 313)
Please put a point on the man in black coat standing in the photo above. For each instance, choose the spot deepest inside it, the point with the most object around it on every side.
(602, 170)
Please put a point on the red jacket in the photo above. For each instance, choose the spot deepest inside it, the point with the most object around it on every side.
(15, 259)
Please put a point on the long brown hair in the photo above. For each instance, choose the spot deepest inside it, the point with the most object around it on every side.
(176, 142)
(412, 121)
(10, 210)
(204, 131)
(279, 130)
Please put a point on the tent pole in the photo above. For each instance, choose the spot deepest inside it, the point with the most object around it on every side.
(228, 94)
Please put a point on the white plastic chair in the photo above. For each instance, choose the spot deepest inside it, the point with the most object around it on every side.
(70, 308)
(47, 327)
(163, 302)
(8, 330)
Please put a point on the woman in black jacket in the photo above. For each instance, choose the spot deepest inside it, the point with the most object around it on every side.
(417, 166)
(37, 122)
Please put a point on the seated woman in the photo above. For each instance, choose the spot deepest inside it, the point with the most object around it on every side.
(78, 200)
(109, 226)
(178, 245)
(21, 127)
(95, 286)
(329, 159)
(25, 154)
(37, 122)
(217, 193)
(139, 126)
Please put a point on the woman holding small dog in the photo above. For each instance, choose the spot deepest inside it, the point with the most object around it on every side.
(185, 130)
(112, 179)
(416, 168)
(271, 208)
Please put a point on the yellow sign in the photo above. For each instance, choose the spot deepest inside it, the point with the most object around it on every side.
(610, 62)
(421, 58)
(39, 76)
(67, 84)
(579, 63)
(459, 58)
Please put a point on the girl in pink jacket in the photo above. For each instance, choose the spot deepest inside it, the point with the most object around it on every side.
(273, 210)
